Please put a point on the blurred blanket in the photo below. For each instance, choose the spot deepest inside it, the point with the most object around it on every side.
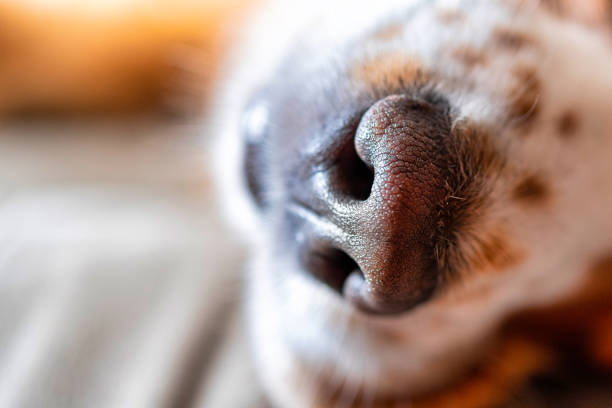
(111, 57)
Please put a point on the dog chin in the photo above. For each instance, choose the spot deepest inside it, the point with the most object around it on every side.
(310, 345)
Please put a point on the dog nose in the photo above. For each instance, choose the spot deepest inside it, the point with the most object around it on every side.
(383, 198)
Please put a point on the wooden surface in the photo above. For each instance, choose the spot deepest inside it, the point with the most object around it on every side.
(118, 284)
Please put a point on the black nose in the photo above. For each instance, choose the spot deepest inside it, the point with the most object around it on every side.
(380, 198)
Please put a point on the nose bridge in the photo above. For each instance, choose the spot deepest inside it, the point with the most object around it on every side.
(402, 139)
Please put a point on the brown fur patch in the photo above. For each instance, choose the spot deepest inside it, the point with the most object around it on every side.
(474, 162)
(470, 56)
(510, 39)
(532, 189)
(598, 285)
(389, 32)
(578, 325)
(601, 343)
(525, 97)
(449, 16)
(588, 12)
(578, 329)
(389, 70)
(493, 381)
(568, 124)
(461, 293)
(494, 252)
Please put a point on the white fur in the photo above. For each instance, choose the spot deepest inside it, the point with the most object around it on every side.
(295, 319)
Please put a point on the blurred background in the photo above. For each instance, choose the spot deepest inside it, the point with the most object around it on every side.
(118, 284)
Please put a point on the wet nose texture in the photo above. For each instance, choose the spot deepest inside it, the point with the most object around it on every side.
(389, 228)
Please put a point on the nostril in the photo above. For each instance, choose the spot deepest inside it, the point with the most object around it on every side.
(351, 176)
(336, 269)
(330, 265)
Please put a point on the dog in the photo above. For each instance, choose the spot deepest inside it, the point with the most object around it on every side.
(425, 189)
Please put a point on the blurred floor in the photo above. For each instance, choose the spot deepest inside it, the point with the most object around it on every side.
(117, 281)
